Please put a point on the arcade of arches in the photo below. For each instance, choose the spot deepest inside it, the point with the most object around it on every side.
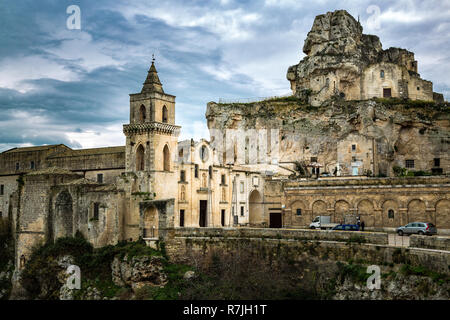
(378, 209)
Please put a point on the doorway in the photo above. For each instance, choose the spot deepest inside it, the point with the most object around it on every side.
(275, 220)
(222, 218)
(203, 210)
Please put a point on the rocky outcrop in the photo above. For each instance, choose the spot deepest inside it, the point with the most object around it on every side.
(138, 271)
(397, 131)
(338, 55)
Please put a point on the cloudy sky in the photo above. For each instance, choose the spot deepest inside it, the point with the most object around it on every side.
(59, 85)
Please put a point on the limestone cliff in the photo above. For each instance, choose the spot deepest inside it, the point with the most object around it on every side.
(385, 132)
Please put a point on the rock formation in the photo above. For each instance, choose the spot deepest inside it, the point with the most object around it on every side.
(341, 62)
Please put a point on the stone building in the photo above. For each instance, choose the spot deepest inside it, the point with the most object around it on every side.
(343, 62)
(273, 163)
(120, 193)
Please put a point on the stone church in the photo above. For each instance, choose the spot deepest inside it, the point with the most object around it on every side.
(119, 193)
(273, 163)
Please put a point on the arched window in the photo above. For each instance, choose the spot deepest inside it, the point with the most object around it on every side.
(166, 157)
(142, 115)
(391, 214)
(165, 114)
(140, 164)
(183, 193)
(382, 74)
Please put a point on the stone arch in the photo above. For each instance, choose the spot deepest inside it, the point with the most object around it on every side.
(386, 208)
(416, 210)
(142, 114)
(166, 158)
(341, 209)
(319, 208)
(63, 222)
(140, 158)
(165, 114)
(255, 208)
(443, 214)
(151, 223)
(366, 212)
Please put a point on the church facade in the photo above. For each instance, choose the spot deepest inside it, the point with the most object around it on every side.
(151, 184)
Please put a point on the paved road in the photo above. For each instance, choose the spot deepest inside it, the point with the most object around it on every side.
(396, 240)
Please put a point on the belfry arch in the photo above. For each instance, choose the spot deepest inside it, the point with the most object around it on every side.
(140, 163)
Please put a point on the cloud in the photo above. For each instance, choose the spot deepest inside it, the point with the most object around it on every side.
(72, 86)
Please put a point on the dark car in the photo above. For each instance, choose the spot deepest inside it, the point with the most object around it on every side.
(417, 228)
(346, 227)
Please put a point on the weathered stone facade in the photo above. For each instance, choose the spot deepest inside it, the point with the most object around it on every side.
(343, 62)
(268, 173)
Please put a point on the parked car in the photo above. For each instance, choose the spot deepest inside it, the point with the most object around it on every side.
(424, 228)
(346, 227)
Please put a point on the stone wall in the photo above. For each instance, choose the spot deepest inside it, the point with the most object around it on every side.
(433, 242)
(183, 245)
(410, 199)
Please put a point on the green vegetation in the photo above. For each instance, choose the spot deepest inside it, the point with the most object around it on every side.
(355, 272)
(403, 172)
(39, 277)
(6, 255)
(440, 278)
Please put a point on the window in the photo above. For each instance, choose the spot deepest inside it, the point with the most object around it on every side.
(182, 218)
(387, 93)
(142, 114)
(17, 166)
(182, 176)
(210, 172)
(203, 153)
(32, 165)
(180, 153)
(353, 147)
(391, 214)
(223, 179)
(242, 211)
(382, 74)
(2, 189)
(96, 210)
(165, 115)
(100, 178)
(140, 164)
(1, 214)
(353, 159)
(409, 163)
(313, 159)
(437, 162)
(222, 220)
(242, 186)
(418, 88)
(299, 212)
(196, 171)
(166, 157)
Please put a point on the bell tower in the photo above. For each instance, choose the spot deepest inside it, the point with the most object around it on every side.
(152, 138)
